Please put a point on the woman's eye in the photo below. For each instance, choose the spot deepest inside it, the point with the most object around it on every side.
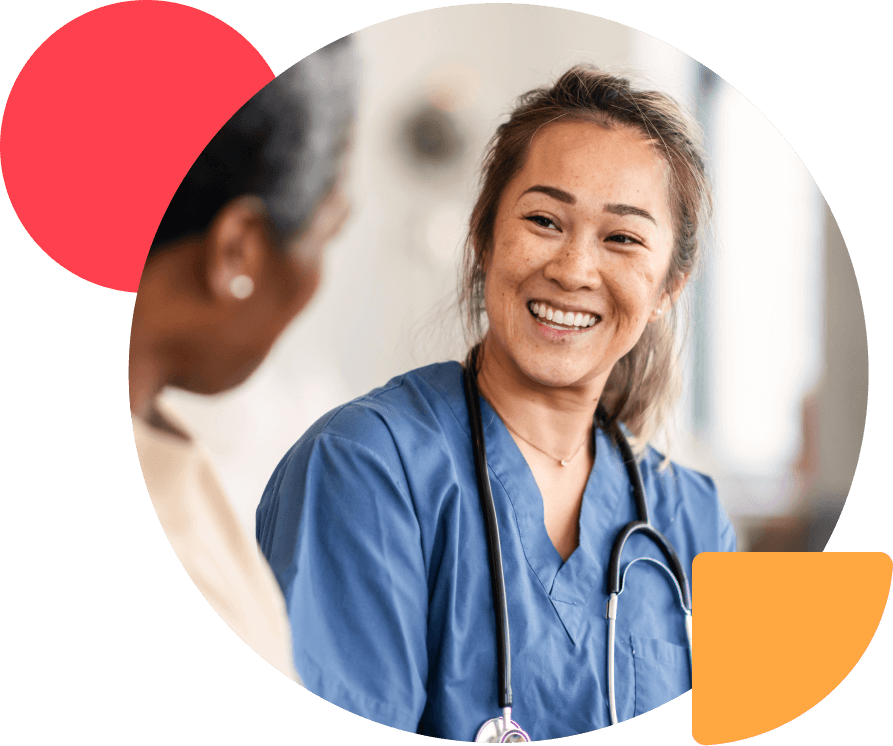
(622, 239)
(541, 220)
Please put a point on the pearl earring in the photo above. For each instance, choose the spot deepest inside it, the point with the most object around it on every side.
(241, 286)
(660, 312)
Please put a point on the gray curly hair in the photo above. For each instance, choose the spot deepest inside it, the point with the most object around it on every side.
(285, 145)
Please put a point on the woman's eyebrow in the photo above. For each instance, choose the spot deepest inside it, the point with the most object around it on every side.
(553, 192)
(568, 198)
(616, 209)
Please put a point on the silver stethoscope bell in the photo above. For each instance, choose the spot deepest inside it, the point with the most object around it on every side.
(501, 730)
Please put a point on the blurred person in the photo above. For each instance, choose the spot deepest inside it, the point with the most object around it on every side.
(236, 256)
(400, 575)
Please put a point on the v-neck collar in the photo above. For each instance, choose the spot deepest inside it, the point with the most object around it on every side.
(568, 584)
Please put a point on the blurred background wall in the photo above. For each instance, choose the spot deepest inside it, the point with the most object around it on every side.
(776, 366)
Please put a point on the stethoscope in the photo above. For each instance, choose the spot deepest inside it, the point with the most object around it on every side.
(503, 729)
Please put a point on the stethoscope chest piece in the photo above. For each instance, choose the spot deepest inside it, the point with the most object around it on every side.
(494, 731)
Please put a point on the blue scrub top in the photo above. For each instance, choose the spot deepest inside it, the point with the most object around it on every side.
(373, 527)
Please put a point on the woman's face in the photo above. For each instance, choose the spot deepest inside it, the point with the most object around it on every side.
(581, 247)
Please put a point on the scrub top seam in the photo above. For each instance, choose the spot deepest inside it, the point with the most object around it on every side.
(466, 426)
(405, 495)
(344, 694)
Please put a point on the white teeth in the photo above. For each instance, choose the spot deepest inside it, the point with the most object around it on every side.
(575, 321)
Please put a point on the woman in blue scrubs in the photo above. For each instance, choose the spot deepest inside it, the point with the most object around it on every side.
(580, 244)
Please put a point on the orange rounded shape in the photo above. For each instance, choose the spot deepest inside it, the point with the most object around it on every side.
(775, 633)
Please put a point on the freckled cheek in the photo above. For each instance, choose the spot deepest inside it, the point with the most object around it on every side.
(632, 305)
(643, 288)
(498, 301)
(508, 273)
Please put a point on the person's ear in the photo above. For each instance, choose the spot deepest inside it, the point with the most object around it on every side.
(236, 245)
(667, 299)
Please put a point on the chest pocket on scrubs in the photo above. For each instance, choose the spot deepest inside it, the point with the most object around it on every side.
(649, 673)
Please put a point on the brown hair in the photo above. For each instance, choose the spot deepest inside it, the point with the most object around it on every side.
(645, 382)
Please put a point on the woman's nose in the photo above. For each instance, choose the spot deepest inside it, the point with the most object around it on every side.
(576, 265)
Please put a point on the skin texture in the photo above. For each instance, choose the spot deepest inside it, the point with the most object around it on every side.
(594, 256)
(192, 332)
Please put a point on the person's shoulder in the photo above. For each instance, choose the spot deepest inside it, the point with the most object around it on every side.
(683, 478)
(678, 485)
(407, 405)
(396, 433)
(684, 496)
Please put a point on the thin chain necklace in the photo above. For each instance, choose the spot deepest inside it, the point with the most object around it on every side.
(562, 461)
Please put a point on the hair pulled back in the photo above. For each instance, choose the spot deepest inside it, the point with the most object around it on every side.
(645, 383)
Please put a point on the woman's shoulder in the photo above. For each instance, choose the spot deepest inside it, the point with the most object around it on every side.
(384, 443)
(675, 478)
(681, 495)
(408, 407)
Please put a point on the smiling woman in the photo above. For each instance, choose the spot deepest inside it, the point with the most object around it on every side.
(580, 244)
(595, 254)
(658, 136)
(582, 232)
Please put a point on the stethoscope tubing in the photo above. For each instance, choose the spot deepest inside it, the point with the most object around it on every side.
(494, 550)
(642, 525)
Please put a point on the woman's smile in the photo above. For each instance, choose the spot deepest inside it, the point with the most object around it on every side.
(581, 247)
(554, 318)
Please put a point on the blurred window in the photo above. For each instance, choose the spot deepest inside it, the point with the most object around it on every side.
(756, 326)
(763, 290)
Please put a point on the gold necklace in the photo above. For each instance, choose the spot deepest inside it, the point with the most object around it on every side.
(562, 461)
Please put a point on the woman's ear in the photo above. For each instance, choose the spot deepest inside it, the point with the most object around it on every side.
(676, 287)
(235, 247)
(667, 299)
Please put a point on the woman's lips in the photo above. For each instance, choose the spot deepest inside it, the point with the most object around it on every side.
(562, 320)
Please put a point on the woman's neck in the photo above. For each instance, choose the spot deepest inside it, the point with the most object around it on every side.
(555, 420)
(156, 316)
(146, 385)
